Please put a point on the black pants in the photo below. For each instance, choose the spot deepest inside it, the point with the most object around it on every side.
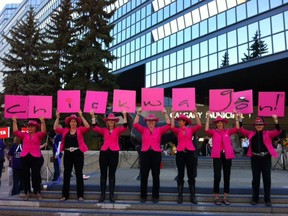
(218, 163)
(108, 160)
(150, 160)
(73, 159)
(17, 181)
(261, 165)
(186, 159)
(34, 164)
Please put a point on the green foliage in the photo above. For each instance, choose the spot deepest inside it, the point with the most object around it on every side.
(257, 48)
(225, 61)
(26, 70)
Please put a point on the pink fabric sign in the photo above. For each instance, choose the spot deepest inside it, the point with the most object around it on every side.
(183, 99)
(221, 100)
(270, 103)
(40, 106)
(97, 101)
(124, 100)
(243, 101)
(16, 105)
(152, 99)
(68, 101)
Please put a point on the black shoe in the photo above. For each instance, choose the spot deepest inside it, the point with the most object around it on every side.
(268, 203)
(101, 199)
(193, 199)
(254, 202)
(155, 200)
(143, 199)
(112, 198)
(180, 199)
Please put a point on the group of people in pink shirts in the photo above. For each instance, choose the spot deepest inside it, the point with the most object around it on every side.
(73, 145)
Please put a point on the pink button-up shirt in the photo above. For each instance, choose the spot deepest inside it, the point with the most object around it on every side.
(151, 139)
(80, 137)
(31, 144)
(111, 138)
(221, 140)
(268, 135)
(184, 136)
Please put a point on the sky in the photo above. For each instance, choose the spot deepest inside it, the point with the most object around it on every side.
(4, 2)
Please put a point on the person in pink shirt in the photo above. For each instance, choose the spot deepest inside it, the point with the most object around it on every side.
(260, 151)
(31, 154)
(186, 155)
(109, 152)
(151, 152)
(74, 146)
(222, 153)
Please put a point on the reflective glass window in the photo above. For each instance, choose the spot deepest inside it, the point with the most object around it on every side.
(195, 51)
(143, 53)
(137, 55)
(180, 57)
(263, 5)
(203, 27)
(172, 59)
(147, 81)
(166, 76)
(251, 8)
(265, 27)
(277, 23)
(268, 42)
(160, 46)
(180, 71)
(222, 43)
(231, 14)
(166, 43)
(187, 54)
(212, 45)
(213, 62)
(241, 12)
(278, 42)
(173, 40)
(232, 38)
(160, 77)
(212, 24)
(166, 61)
(195, 67)
(233, 57)
(252, 29)
(187, 69)
(148, 68)
(275, 3)
(203, 48)
(153, 79)
(153, 66)
(180, 37)
(187, 34)
(148, 50)
(172, 74)
(241, 50)
(204, 64)
(242, 35)
(195, 31)
(159, 64)
(221, 20)
(286, 19)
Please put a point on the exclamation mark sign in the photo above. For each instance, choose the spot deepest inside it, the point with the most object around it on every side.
(277, 100)
(69, 100)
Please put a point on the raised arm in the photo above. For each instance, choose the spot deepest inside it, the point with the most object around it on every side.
(198, 122)
(86, 124)
(276, 122)
(164, 111)
(124, 116)
(173, 119)
(56, 123)
(15, 126)
(136, 119)
(93, 118)
(43, 125)
(207, 120)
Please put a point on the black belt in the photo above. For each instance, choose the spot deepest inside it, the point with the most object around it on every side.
(260, 154)
(71, 149)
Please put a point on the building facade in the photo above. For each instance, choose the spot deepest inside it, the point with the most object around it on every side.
(189, 43)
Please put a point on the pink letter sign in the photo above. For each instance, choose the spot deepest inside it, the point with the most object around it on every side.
(183, 99)
(68, 101)
(270, 103)
(16, 105)
(243, 101)
(221, 100)
(152, 99)
(40, 106)
(97, 101)
(124, 100)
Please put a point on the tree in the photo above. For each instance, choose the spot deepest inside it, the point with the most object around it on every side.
(60, 37)
(26, 72)
(90, 55)
(257, 48)
(225, 61)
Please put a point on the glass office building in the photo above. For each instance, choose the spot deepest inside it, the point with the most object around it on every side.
(182, 43)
